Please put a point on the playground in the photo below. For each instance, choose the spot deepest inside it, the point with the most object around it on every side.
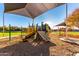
(28, 29)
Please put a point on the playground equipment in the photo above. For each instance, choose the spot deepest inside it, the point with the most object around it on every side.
(29, 10)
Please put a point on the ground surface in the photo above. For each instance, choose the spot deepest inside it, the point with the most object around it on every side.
(62, 48)
(55, 47)
(39, 48)
(27, 49)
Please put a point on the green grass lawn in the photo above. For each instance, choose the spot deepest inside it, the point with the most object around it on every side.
(12, 33)
(71, 33)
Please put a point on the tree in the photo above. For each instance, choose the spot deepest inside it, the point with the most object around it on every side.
(47, 28)
(73, 19)
(42, 26)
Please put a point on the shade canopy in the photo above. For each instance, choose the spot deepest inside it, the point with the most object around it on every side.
(29, 9)
(61, 24)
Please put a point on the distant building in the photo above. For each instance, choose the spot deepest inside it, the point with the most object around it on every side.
(60, 26)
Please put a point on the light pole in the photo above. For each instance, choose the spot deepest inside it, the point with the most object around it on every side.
(33, 25)
(3, 24)
(66, 24)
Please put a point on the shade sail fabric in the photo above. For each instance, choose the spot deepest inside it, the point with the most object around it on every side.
(13, 6)
(29, 9)
(61, 24)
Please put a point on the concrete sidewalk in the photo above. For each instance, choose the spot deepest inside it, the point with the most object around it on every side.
(70, 39)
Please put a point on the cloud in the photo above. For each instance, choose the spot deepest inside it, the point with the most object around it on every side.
(49, 23)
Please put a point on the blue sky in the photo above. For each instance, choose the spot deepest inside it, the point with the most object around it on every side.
(52, 17)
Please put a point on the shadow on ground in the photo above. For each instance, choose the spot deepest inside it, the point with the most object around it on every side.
(26, 49)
